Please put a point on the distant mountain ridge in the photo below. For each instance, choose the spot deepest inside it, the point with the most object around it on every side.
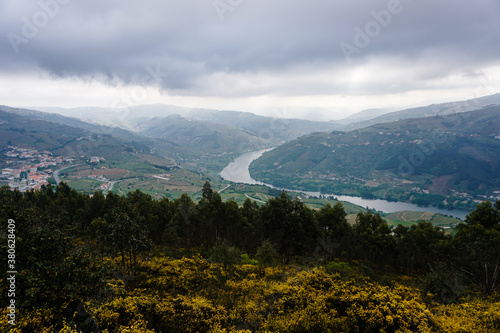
(73, 122)
(26, 131)
(441, 109)
(50, 125)
(284, 129)
(202, 136)
(205, 137)
(277, 130)
(364, 115)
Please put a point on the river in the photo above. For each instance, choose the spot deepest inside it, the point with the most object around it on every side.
(237, 172)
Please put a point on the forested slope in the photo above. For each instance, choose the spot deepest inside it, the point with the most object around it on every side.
(455, 155)
(135, 264)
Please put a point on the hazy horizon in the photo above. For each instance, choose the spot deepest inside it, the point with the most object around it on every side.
(291, 59)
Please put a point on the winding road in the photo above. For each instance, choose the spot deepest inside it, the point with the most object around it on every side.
(249, 197)
(112, 183)
(225, 188)
(56, 173)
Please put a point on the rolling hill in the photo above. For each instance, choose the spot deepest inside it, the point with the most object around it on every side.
(189, 139)
(202, 136)
(364, 115)
(410, 160)
(441, 109)
(31, 132)
(276, 130)
(73, 122)
(273, 129)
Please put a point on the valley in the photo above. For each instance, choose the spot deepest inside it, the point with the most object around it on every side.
(167, 151)
(241, 166)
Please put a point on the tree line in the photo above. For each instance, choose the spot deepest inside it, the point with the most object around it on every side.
(62, 235)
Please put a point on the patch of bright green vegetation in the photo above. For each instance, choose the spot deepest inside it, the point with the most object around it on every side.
(241, 192)
(318, 203)
(408, 218)
(170, 184)
(138, 167)
(84, 185)
(443, 220)
(210, 166)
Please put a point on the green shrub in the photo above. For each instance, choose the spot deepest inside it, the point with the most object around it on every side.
(338, 267)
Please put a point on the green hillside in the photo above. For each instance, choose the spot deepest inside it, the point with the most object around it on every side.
(117, 138)
(73, 122)
(422, 160)
(24, 131)
(205, 137)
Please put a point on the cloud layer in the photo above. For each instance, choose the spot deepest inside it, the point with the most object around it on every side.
(242, 48)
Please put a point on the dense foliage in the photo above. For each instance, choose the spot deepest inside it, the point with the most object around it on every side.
(134, 264)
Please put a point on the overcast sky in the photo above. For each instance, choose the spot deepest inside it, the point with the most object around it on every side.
(280, 57)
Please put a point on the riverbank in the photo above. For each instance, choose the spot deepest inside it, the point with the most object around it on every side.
(238, 172)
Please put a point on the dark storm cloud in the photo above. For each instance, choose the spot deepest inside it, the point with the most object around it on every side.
(191, 40)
